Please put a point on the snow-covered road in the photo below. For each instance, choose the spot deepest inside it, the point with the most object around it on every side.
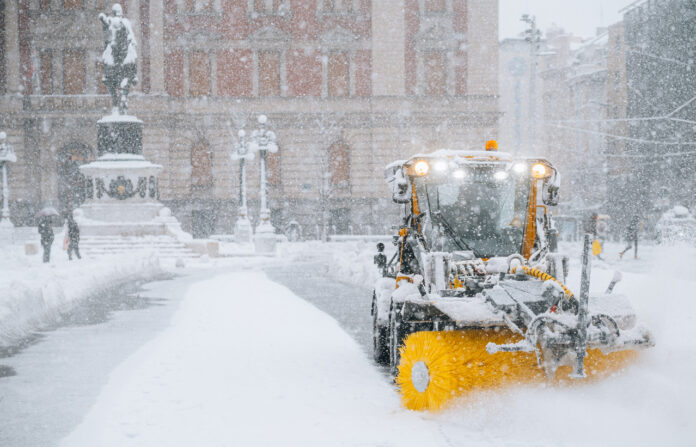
(247, 363)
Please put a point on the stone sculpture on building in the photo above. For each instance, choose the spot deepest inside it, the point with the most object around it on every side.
(119, 71)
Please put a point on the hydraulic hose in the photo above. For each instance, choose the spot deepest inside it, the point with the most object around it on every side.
(536, 273)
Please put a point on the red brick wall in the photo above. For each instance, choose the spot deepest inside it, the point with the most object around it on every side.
(199, 73)
(3, 57)
(144, 43)
(235, 23)
(25, 67)
(411, 22)
(174, 73)
(460, 65)
(304, 73)
(235, 72)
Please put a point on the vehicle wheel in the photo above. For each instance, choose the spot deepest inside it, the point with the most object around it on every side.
(398, 331)
(380, 338)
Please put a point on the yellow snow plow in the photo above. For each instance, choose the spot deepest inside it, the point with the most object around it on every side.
(474, 297)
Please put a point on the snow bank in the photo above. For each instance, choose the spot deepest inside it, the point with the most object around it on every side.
(347, 261)
(33, 294)
(229, 372)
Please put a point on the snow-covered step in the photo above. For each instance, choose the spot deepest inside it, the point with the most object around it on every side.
(162, 246)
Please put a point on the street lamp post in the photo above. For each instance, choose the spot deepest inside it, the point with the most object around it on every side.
(263, 141)
(242, 228)
(7, 155)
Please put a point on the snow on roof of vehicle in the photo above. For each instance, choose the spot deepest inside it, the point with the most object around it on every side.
(463, 156)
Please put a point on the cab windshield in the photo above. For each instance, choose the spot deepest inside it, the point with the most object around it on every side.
(480, 209)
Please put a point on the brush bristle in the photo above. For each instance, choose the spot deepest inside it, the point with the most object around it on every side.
(458, 362)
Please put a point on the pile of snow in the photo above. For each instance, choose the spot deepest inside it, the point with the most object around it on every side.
(350, 261)
(676, 225)
(34, 294)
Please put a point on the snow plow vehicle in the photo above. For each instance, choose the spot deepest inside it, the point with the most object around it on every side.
(475, 296)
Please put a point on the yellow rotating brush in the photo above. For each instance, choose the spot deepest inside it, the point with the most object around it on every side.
(437, 366)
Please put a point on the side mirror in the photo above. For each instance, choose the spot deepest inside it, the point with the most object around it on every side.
(550, 188)
(400, 186)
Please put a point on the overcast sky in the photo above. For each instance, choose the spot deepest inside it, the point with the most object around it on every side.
(581, 17)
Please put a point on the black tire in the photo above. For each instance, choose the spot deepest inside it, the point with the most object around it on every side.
(398, 331)
(380, 337)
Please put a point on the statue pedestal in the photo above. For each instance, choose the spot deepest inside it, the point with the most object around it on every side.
(243, 232)
(265, 239)
(122, 186)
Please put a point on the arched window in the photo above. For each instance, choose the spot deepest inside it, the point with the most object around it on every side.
(201, 165)
(339, 165)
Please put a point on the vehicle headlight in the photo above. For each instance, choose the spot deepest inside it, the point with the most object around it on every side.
(459, 174)
(421, 167)
(539, 170)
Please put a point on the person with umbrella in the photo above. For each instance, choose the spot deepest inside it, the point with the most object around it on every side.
(46, 231)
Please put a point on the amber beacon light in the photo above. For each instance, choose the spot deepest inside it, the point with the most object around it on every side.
(491, 145)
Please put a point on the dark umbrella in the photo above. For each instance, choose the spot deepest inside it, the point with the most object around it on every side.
(47, 211)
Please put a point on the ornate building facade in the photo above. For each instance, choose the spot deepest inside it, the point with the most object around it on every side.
(348, 86)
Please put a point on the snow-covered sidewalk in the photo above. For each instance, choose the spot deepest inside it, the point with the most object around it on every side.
(33, 294)
(247, 363)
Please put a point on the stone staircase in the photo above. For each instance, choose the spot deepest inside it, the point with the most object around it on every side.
(162, 246)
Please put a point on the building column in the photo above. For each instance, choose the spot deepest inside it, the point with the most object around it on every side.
(482, 47)
(388, 48)
(324, 72)
(213, 73)
(12, 46)
(156, 47)
(133, 8)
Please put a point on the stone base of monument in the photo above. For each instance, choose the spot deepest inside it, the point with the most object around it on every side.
(243, 233)
(122, 187)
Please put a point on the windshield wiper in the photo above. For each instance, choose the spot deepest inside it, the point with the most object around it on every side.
(448, 228)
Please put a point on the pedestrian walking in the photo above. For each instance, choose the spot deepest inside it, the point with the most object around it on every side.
(47, 236)
(632, 237)
(591, 228)
(73, 238)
